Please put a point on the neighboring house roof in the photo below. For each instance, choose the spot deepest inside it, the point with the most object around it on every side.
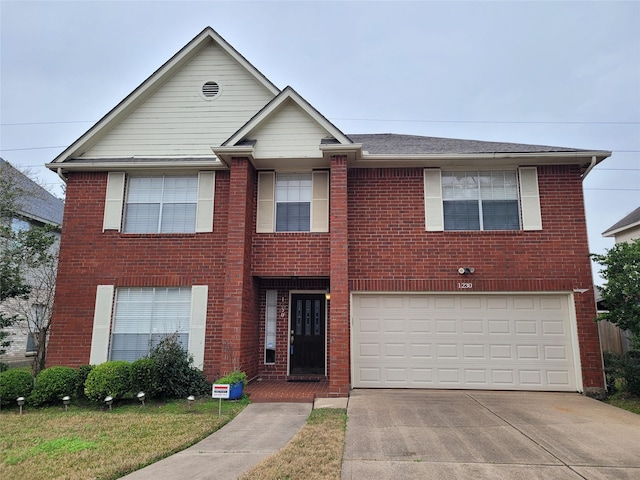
(630, 221)
(37, 204)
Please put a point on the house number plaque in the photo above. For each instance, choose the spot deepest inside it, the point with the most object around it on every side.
(465, 285)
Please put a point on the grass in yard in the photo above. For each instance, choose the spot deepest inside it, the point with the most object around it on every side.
(89, 443)
(626, 402)
(314, 453)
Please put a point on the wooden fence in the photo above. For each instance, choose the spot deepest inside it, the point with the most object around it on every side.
(613, 339)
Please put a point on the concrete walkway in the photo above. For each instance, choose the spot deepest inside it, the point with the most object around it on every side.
(437, 434)
(260, 430)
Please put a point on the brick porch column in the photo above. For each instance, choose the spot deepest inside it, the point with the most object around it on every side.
(339, 368)
(239, 330)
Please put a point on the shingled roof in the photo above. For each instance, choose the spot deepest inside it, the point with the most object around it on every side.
(37, 203)
(631, 220)
(390, 143)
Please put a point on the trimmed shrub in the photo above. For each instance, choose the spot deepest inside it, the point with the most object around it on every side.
(631, 372)
(52, 384)
(3, 367)
(623, 372)
(83, 373)
(108, 379)
(15, 383)
(177, 378)
(144, 377)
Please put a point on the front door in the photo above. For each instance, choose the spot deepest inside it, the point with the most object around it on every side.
(306, 340)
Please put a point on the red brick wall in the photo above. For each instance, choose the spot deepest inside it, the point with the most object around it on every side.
(291, 254)
(389, 249)
(240, 328)
(377, 243)
(338, 348)
(89, 257)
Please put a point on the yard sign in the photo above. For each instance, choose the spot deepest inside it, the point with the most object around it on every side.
(220, 391)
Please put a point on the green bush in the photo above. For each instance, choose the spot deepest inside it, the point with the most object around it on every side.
(623, 372)
(3, 367)
(233, 378)
(52, 384)
(177, 377)
(81, 379)
(144, 377)
(15, 383)
(108, 379)
(631, 372)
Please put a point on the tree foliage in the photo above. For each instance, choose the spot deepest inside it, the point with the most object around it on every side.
(28, 262)
(621, 292)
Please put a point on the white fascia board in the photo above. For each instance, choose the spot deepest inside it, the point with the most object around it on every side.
(226, 153)
(133, 163)
(144, 89)
(452, 159)
(613, 233)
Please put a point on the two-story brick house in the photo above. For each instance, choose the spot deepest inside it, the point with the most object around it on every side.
(211, 204)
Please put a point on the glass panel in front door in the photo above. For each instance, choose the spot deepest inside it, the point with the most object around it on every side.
(307, 349)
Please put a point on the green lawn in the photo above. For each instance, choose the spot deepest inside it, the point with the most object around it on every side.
(628, 403)
(88, 442)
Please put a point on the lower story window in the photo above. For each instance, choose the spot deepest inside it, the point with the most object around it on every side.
(145, 316)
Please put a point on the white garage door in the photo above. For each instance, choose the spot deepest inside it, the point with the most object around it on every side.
(501, 342)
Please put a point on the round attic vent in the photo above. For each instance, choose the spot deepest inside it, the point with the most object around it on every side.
(210, 89)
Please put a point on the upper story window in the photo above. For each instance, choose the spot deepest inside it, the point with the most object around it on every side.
(164, 204)
(293, 202)
(159, 203)
(480, 200)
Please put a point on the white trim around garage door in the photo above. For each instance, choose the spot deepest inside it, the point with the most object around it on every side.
(480, 340)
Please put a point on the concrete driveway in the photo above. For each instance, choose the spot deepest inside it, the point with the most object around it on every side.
(436, 434)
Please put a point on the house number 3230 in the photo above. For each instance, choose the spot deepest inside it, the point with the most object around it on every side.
(464, 285)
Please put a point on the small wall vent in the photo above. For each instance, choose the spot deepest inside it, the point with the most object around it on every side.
(210, 89)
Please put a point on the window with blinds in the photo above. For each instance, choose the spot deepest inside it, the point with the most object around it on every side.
(293, 202)
(145, 316)
(161, 204)
(270, 323)
(480, 200)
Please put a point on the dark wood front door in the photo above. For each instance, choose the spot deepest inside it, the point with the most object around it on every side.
(306, 340)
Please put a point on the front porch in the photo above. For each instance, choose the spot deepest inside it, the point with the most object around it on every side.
(264, 391)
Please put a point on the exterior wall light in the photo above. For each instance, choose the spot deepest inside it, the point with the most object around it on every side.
(327, 295)
(109, 401)
(66, 400)
(20, 401)
(466, 270)
(141, 396)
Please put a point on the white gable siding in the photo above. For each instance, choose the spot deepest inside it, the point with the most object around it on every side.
(177, 120)
(289, 133)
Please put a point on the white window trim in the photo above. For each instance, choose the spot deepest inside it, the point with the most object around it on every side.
(528, 198)
(266, 208)
(103, 319)
(115, 200)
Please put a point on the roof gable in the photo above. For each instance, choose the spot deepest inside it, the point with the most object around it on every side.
(197, 63)
(632, 220)
(288, 100)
